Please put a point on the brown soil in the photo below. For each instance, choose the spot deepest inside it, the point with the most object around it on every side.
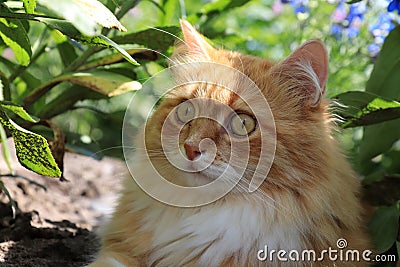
(56, 226)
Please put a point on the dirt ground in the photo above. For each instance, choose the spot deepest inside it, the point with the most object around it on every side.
(57, 226)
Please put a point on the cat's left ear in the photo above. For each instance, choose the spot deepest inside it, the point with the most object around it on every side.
(309, 65)
(195, 43)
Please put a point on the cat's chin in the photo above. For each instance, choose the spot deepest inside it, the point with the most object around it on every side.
(198, 178)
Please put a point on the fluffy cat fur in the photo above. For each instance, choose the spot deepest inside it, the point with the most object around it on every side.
(308, 201)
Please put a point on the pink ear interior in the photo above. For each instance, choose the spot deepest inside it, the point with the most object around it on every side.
(309, 64)
(314, 52)
(194, 41)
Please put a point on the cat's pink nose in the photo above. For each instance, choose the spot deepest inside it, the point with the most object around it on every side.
(192, 150)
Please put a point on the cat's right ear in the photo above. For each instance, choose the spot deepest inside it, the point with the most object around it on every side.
(195, 45)
(306, 71)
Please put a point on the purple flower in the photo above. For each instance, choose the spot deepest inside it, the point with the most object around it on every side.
(340, 13)
(347, 22)
(394, 5)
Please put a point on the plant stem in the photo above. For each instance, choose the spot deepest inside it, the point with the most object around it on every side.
(40, 91)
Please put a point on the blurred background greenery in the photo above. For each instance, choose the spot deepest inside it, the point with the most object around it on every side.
(362, 58)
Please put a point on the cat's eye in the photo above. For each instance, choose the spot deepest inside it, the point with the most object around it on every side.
(242, 124)
(185, 112)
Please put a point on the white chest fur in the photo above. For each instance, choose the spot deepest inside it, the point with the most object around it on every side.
(213, 233)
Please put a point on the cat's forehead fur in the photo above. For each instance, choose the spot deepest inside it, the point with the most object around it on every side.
(227, 77)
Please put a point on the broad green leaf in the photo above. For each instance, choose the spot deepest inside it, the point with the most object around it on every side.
(155, 38)
(216, 7)
(85, 15)
(101, 14)
(384, 227)
(66, 100)
(6, 150)
(104, 82)
(364, 108)
(14, 35)
(33, 151)
(384, 81)
(117, 57)
(171, 12)
(74, 143)
(385, 78)
(29, 6)
(354, 101)
(221, 5)
(18, 110)
(68, 29)
(65, 49)
(378, 138)
(126, 55)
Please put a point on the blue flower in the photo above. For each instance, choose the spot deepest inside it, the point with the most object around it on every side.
(348, 22)
(300, 6)
(356, 11)
(379, 31)
(395, 4)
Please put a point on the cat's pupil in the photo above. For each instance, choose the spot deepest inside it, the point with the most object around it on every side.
(244, 123)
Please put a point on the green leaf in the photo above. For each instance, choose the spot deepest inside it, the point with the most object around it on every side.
(221, 5)
(33, 151)
(385, 78)
(29, 6)
(14, 35)
(384, 81)
(65, 49)
(105, 82)
(216, 7)
(68, 29)
(378, 139)
(126, 55)
(86, 16)
(155, 38)
(383, 227)
(6, 150)
(117, 57)
(66, 100)
(18, 110)
(364, 108)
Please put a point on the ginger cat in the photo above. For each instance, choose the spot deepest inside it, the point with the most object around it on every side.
(308, 201)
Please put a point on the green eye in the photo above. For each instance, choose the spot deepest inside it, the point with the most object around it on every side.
(242, 124)
(185, 112)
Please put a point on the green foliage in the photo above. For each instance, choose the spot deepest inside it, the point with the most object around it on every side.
(363, 108)
(33, 151)
(384, 227)
(75, 75)
(39, 31)
(15, 36)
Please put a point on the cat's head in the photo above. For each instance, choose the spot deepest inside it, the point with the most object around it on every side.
(215, 83)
